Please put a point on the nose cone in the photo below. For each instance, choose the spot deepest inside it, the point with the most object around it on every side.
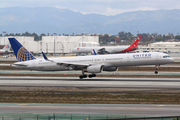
(171, 60)
(74, 49)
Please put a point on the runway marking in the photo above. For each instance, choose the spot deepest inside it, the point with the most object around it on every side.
(22, 104)
(161, 105)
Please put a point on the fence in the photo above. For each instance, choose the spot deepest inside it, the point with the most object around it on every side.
(31, 116)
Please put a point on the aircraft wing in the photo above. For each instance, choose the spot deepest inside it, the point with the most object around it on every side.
(73, 65)
(67, 64)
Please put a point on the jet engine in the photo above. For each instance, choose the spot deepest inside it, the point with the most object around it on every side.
(110, 69)
(94, 69)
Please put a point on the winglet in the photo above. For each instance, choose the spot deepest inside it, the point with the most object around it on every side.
(94, 52)
(44, 56)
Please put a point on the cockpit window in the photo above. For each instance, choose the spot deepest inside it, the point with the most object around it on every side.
(166, 56)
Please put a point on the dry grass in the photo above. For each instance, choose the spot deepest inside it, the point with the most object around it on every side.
(88, 95)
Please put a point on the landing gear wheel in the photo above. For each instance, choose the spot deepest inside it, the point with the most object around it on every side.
(84, 76)
(90, 76)
(156, 69)
(81, 77)
(93, 75)
(156, 72)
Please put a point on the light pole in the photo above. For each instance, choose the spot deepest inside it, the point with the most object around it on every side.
(82, 39)
(54, 42)
(4, 36)
(62, 49)
(46, 47)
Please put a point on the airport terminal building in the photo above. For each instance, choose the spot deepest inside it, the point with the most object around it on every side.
(166, 47)
(64, 44)
(53, 44)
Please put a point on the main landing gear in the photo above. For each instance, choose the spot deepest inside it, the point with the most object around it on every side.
(85, 76)
(92, 75)
(157, 68)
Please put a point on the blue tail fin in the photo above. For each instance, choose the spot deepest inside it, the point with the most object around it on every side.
(21, 53)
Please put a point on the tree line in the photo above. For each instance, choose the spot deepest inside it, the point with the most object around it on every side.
(121, 38)
(128, 38)
(36, 36)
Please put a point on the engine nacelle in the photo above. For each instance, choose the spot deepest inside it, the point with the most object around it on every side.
(110, 69)
(94, 69)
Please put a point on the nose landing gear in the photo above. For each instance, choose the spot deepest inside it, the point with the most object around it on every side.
(157, 68)
(83, 75)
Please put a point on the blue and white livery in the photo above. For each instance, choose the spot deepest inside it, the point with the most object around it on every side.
(21, 53)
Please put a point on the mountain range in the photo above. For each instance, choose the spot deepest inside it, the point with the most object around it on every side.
(51, 19)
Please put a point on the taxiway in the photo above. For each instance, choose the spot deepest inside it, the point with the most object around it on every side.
(93, 82)
(120, 109)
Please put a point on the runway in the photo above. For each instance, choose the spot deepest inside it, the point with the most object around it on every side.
(98, 82)
(120, 109)
(93, 82)
(79, 72)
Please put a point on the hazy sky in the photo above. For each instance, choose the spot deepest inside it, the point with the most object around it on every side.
(105, 7)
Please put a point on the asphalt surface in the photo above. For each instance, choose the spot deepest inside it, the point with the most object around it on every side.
(120, 109)
(93, 82)
(21, 72)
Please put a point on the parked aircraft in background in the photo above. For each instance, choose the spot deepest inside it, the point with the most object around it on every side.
(6, 49)
(109, 49)
(90, 64)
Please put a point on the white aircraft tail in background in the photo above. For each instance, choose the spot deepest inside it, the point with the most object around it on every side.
(90, 64)
(6, 49)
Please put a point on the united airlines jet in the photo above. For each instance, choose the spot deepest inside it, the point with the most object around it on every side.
(91, 64)
(109, 49)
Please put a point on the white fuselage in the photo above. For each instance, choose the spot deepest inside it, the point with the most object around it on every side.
(110, 49)
(2, 51)
(113, 60)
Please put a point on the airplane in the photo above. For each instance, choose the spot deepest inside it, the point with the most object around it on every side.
(91, 64)
(6, 49)
(109, 49)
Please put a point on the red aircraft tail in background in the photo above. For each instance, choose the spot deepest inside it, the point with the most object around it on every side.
(133, 46)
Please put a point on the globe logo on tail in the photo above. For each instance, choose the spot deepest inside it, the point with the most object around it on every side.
(24, 55)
